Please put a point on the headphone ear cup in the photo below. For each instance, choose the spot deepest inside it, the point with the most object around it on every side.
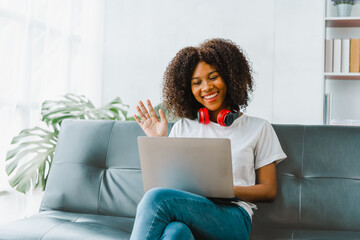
(203, 116)
(221, 117)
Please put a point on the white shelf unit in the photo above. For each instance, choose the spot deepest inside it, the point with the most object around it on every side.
(342, 22)
(342, 86)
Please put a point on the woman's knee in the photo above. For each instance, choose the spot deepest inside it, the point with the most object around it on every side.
(177, 230)
(154, 197)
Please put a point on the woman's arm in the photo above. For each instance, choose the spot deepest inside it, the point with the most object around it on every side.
(265, 189)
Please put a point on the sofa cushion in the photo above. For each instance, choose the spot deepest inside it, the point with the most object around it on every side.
(317, 182)
(96, 169)
(65, 226)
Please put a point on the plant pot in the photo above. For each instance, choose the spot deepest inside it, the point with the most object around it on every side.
(344, 10)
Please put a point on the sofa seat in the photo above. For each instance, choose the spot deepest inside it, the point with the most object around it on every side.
(304, 234)
(67, 225)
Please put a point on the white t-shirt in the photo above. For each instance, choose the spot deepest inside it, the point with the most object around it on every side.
(254, 144)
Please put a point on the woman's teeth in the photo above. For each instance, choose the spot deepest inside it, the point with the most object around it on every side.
(211, 96)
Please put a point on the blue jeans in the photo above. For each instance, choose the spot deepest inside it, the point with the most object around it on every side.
(172, 214)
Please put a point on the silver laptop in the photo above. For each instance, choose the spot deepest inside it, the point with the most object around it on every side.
(198, 165)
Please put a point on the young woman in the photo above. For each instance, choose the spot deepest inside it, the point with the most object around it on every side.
(201, 86)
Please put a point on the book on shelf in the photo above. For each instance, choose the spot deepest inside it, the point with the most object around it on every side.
(345, 55)
(354, 55)
(337, 56)
(327, 109)
(329, 49)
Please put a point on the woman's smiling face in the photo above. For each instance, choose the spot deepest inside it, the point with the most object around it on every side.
(209, 88)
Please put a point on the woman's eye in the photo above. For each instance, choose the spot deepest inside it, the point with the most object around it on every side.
(214, 77)
(196, 83)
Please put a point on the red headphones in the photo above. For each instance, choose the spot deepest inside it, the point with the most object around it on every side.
(224, 118)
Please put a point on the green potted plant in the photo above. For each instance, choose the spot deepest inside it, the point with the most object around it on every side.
(29, 161)
(344, 7)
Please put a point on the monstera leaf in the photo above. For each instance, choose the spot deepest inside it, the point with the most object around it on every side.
(79, 107)
(31, 158)
(29, 161)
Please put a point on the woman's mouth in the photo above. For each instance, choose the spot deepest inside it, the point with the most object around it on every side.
(211, 97)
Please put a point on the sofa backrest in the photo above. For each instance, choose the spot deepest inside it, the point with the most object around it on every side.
(319, 182)
(96, 169)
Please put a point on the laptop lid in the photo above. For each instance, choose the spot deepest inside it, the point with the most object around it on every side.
(198, 165)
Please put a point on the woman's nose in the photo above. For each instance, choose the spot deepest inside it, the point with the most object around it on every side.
(207, 85)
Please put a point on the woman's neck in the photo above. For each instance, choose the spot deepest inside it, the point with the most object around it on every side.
(213, 114)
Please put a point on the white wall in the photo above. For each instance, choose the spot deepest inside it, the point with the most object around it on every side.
(299, 61)
(282, 38)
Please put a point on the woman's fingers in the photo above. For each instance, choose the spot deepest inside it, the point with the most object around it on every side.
(141, 114)
(162, 116)
(151, 109)
(145, 114)
(137, 119)
(144, 110)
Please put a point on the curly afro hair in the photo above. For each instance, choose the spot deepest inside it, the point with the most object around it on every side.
(230, 62)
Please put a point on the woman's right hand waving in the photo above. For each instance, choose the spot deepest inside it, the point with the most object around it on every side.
(149, 122)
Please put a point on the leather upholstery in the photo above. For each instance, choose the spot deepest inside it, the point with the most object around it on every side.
(318, 184)
(51, 225)
(96, 169)
(95, 184)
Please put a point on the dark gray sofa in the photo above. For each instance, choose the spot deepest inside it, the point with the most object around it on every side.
(95, 184)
